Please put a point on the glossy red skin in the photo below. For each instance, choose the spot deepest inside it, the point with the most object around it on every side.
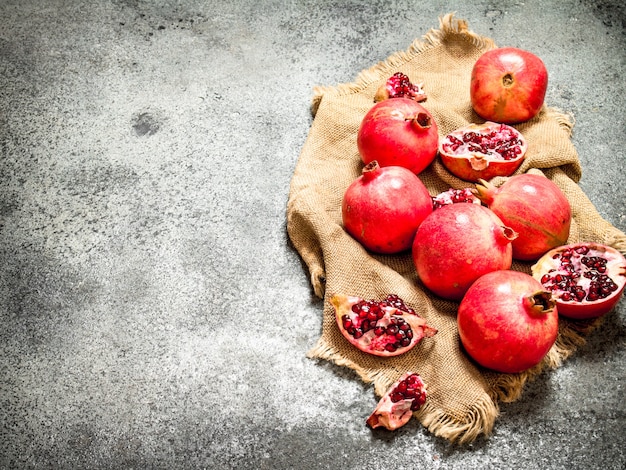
(495, 98)
(389, 135)
(585, 310)
(383, 208)
(494, 328)
(542, 216)
(457, 244)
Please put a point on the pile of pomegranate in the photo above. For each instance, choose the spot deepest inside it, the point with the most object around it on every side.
(463, 241)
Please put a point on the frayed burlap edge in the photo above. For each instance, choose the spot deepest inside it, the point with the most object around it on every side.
(448, 24)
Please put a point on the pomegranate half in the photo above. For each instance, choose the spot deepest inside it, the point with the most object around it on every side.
(483, 151)
(382, 328)
(398, 132)
(507, 321)
(587, 279)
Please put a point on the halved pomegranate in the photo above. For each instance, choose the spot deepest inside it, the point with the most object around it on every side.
(396, 407)
(454, 196)
(483, 151)
(587, 279)
(399, 86)
(381, 328)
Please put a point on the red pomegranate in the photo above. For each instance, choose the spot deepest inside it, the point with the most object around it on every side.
(508, 85)
(380, 328)
(457, 244)
(534, 207)
(507, 322)
(396, 407)
(587, 279)
(483, 151)
(398, 132)
(383, 208)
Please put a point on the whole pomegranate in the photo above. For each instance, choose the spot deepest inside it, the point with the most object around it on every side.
(534, 207)
(508, 85)
(507, 322)
(398, 132)
(383, 207)
(483, 151)
(587, 279)
(381, 328)
(396, 407)
(457, 244)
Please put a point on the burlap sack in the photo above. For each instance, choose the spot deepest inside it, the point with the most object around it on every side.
(463, 399)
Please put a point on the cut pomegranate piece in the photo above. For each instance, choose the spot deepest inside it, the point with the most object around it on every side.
(483, 151)
(396, 407)
(454, 196)
(399, 86)
(587, 279)
(381, 328)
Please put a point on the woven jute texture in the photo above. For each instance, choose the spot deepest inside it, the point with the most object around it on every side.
(463, 401)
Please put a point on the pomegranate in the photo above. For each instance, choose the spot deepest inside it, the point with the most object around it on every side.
(383, 207)
(507, 321)
(396, 407)
(508, 85)
(457, 244)
(587, 279)
(534, 207)
(454, 196)
(483, 151)
(399, 132)
(381, 328)
(399, 86)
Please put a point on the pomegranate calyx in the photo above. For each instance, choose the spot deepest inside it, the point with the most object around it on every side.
(506, 235)
(370, 170)
(420, 121)
(540, 303)
(485, 191)
(508, 80)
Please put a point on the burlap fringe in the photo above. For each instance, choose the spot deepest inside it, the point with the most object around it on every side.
(565, 120)
(448, 25)
(479, 419)
(617, 241)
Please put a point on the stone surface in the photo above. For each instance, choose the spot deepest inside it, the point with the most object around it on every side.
(153, 311)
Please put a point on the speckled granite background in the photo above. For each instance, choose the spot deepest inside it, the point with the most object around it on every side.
(153, 313)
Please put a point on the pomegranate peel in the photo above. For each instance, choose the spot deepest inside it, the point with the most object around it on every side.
(399, 86)
(483, 151)
(587, 279)
(381, 328)
(533, 206)
(507, 321)
(396, 407)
